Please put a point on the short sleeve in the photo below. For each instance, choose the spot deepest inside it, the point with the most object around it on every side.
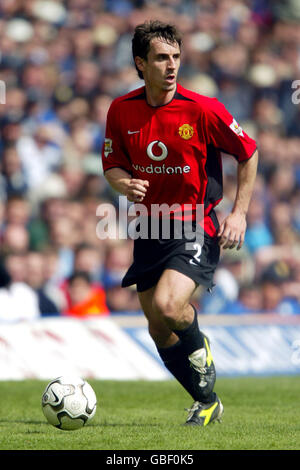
(225, 134)
(113, 155)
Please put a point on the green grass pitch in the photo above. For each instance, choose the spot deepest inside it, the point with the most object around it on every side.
(260, 414)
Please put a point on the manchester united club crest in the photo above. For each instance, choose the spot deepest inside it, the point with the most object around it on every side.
(186, 131)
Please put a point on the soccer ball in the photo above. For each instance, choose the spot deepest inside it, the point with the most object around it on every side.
(69, 403)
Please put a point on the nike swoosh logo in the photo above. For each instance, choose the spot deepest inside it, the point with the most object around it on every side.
(133, 132)
(56, 397)
(193, 262)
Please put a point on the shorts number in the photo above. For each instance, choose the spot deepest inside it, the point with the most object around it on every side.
(196, 257)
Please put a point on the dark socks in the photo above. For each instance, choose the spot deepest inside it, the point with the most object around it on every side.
(176, 360)
(191, 337)
(178, 364)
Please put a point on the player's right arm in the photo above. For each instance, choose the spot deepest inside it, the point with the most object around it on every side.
(121, 181)
(116, 158)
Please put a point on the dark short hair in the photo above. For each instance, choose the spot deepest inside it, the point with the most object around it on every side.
(85, 276)
(145, 32)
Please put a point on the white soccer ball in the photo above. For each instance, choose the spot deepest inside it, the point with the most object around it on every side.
(69, 403)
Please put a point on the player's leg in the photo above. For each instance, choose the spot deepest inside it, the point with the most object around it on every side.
(175, 351)
(161, 334)
(171, 318)
(169, 346)
(171, 302)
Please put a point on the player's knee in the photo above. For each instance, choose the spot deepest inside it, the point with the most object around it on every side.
(167, 308)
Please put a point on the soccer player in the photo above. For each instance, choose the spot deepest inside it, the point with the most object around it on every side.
(163, 147)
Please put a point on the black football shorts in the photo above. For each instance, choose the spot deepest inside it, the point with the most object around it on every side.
(151, 257)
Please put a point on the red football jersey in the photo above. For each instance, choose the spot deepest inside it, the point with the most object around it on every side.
(176, 147)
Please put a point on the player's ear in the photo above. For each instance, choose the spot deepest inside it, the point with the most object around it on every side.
(140, 63)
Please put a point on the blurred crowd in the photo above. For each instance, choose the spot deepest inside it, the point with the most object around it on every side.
(62, 63)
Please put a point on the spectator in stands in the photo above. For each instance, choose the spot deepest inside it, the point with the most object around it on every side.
(281, 224)
(236, 268)
(17, 300)
(121, 300)
(84, 297)
(258, 232)
(14, 181)
(273, 282)
(15, 264)
(15, 238)
(89, 259)
(53, 279)
(282, 181)
(249, 300)
(35, 278)
(18, 210)
(51, 207)
(39, 156)
(118, 258)
(64, 236)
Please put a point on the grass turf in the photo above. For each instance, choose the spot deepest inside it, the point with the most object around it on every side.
(260, 413)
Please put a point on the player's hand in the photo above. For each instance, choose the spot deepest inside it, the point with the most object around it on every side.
(136, 190)
(232, 231)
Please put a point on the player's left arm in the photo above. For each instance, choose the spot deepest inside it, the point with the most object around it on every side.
(225, 134)
(232, 230)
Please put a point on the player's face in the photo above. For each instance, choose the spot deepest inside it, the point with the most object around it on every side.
(160, 69)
